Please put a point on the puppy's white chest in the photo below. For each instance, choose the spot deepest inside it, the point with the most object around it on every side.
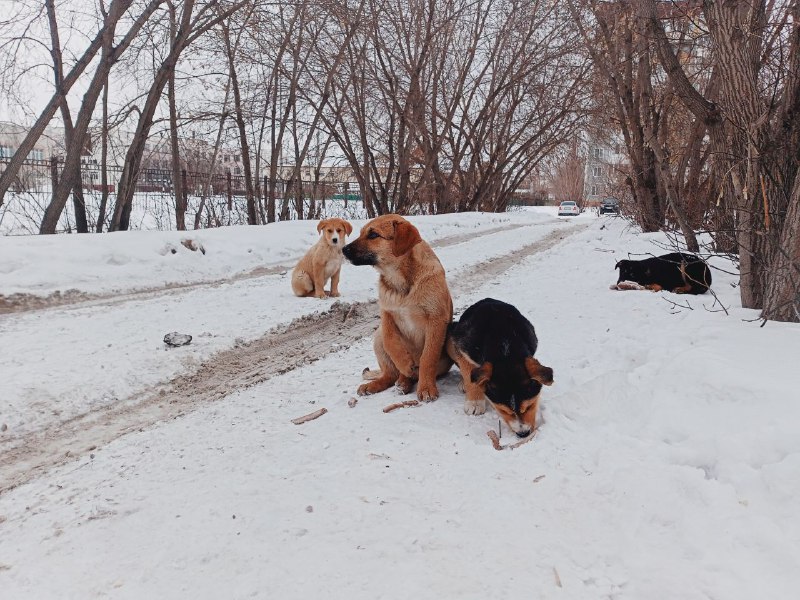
(333, 264)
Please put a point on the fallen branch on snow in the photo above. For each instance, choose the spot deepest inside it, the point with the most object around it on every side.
(310, 416)
(403, 404)
(496, 441)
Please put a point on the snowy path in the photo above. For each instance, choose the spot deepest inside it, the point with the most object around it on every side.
(307, 339)
(667, 466)
(116, 344)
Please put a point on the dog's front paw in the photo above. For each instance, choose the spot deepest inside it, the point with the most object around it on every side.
(335, 294)
(373, 387)
(404, 385)
(474, 407)
(427, 392)
(320, 295)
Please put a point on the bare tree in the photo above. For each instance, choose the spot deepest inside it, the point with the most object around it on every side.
(450, 105)
(569, 176)
(116, 11)
(231, 54)
(192, 26)
(74, 176)
(110, 54)
(177, 181)
(755, 135)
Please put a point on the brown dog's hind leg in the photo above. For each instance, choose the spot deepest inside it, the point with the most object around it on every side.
(302, 285)
(388, 372)
(396, 348)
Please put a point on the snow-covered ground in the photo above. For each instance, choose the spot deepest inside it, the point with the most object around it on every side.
(95, 353)
(667, 463)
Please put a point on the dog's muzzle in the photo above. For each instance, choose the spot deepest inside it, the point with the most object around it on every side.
(357, 256)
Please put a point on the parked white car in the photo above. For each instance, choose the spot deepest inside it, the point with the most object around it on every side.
(568, 208)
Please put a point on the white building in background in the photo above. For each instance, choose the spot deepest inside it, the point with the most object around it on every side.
(605, 162)
(50, 144)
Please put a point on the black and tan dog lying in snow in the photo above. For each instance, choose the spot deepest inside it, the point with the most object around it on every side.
(676, 272)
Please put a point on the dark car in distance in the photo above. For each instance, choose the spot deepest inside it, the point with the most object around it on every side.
(609, 206)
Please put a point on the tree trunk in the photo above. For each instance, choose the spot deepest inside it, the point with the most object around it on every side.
(12, 169)
(75, 148)
(101, 213)
(250, 194)
(177, 179)
(782, 296)
(188, 31)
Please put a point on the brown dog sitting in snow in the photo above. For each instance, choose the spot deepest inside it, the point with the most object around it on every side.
(415, 306)
(323, 261)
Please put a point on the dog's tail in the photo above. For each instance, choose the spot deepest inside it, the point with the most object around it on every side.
(370, 374)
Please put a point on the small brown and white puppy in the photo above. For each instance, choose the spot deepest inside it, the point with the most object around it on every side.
(415, 307)
(323, 261)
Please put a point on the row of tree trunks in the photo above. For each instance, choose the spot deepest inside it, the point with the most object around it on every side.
(190, 28)
(114, 13)
(110, 54)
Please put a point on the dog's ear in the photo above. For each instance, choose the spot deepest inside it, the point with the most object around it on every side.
(406, 236)
(538, 371)
(348, 229)
(481, 375)
(321, 225)
(616, 266)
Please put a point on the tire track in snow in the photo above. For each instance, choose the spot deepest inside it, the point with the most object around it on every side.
(22, 303)
(285, 348)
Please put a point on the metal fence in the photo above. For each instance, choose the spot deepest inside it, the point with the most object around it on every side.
(221, 197)
(42, 175)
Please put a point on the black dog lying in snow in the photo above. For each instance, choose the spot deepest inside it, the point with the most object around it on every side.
(493, 346)
(676, 272)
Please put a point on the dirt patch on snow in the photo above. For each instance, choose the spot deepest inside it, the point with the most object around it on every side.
(303, 341)
(16, 303)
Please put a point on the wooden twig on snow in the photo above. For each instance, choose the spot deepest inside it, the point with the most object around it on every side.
(310, 416)
(496, 441)
(403, 404)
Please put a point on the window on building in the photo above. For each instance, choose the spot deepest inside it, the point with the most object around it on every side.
(594, 190)
(597, 171)
(598, 153)
(6, 152)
